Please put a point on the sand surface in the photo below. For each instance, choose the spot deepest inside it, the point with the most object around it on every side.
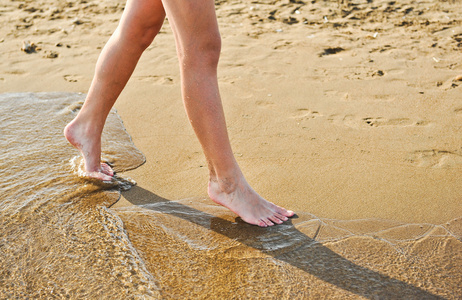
(347, 110)
(372, 131)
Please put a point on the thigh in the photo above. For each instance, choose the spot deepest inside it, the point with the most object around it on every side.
(193, 22)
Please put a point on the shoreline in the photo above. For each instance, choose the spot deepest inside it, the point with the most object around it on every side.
(350, 116)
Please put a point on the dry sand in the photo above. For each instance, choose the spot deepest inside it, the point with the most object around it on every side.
(347, 110)
(372, 131)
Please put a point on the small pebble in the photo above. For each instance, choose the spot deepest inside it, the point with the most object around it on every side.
(52, 55)
(77, 22)
(458, 78)
(29, 47)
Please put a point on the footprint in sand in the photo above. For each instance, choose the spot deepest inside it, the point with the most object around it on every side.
(451, 83)
(377, 122)
(364, 74)
(435, 159)
(265, 104)
(458, 39)
(337, 94)
(355, 122)
(344, 120)
(305, 114)
(156, 79)
(344, 96)
(282, 45)
(16, 72)
(72, 78)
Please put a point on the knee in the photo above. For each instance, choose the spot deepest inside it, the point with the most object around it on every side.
(142, 33)
(203, 52)
(146, 36)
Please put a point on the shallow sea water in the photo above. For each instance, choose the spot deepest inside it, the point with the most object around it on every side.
(59, 238)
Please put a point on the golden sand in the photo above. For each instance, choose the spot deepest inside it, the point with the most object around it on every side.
(348, 112)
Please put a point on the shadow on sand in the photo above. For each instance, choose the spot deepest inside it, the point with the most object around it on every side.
(301, 252)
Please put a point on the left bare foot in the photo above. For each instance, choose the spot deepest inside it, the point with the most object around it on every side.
(82, 137)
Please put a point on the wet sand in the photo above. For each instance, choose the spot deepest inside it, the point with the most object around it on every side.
(57, 237)
(350, 115)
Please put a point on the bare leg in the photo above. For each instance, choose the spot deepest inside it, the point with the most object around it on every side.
(198, 45)
(140, 23)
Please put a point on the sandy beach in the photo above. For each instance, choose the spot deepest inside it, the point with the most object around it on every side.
(347, 112)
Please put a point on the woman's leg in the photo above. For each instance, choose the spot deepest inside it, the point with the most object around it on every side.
(198, 44)
(140, 23)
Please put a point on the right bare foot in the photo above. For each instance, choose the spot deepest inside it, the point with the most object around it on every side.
(88, 142)
(240, 198)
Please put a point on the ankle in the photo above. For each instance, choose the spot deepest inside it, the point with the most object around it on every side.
(87, 126)
(227, 183)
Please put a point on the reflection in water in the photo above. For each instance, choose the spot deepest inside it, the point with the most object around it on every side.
(59, 239)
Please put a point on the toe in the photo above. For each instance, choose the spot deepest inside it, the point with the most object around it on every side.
(281, 217)
(262, 223)
(285, 212)
(276, 220)
(106, 169)
(268, 222)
